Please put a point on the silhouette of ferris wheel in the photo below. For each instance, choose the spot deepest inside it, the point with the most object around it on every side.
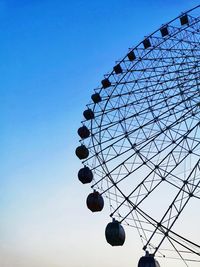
(140, 142)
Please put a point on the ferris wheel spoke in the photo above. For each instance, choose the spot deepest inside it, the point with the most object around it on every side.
(128, 172)
(182, 241)
(147, 188)
(178, 252)
(177, 205)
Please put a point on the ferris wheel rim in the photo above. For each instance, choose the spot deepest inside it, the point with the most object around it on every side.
(99, 149)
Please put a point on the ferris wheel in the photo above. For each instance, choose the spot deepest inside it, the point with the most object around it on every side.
(140, 143)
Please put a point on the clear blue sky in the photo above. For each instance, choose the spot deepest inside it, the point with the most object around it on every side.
(52, 55)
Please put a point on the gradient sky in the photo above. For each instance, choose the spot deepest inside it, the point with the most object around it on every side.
(53, 54)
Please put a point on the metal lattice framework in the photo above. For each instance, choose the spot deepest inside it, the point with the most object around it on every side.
(144, 143)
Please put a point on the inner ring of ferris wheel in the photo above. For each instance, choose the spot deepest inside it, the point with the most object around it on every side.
(144, 143)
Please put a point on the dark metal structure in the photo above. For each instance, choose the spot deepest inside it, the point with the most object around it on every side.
(141, 138)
